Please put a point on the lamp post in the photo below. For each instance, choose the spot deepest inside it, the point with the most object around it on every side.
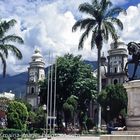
(44, 107)
(108, 110)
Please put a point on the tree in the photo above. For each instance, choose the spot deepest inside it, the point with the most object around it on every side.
(100, 24)
(74, 77)
(17, 115)
(70, 108)
(5, 43)
(40, 118)
(114, 97)
(29, 106)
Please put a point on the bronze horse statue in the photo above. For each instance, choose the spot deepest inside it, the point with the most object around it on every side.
(134, 50)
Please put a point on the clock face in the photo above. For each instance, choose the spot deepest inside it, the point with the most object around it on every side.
(32, 78)
(31, 73)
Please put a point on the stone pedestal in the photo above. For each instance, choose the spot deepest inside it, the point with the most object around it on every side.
(133, 108)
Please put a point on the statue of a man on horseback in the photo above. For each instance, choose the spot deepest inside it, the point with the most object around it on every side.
(134, 50)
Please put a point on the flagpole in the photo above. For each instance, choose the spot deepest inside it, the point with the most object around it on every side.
(50, 116)
(48, 96)
(54, 111)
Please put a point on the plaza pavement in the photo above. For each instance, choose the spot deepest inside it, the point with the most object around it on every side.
(70, 137)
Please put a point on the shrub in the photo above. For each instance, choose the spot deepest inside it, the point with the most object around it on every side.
(17, 115)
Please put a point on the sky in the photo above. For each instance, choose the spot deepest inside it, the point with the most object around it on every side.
(47, 25)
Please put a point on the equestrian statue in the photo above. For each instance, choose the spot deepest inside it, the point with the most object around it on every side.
(134, 50)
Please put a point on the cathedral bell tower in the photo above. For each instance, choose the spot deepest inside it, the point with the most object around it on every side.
(117, 60)
(36, 73)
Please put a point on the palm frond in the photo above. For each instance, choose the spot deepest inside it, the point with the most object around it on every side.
(105, 4)
(16, 52)
(6, 25)
(4, 64)
(83, 23)
(95, 4)
(84, 36)
(105, 32)
(111, 29)
(117, 22)
(4, 50)
(13, 38)
(88, 9)
(114, 11)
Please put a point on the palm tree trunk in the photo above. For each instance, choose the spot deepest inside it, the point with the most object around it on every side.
(99, 85)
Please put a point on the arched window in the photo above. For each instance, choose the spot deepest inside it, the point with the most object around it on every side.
(115, 70)
(32, 90)
(115, 81)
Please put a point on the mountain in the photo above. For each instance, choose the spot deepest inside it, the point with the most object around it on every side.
(17, 83)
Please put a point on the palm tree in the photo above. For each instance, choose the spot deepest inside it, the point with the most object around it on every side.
(101, 25)
(6, 43)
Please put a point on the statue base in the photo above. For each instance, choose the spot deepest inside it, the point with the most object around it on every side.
(133, 108)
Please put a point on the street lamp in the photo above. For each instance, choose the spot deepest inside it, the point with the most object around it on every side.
(44, 107)
(108, 110)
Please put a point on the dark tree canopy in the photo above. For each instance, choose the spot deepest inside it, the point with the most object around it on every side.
(74, 78)
(114, 97)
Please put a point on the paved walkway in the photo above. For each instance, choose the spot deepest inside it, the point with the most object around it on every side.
(67, 137)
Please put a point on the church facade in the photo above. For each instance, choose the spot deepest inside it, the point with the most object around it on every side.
(117, 59)
(36, 73)
(113, 66)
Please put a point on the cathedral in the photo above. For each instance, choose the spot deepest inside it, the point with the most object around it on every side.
(36, 73)
(113, 67)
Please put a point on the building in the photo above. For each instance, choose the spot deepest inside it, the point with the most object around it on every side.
(36, 73)
(113, 70)
(117, 59)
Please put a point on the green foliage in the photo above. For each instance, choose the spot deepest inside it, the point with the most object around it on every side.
(69, 107)
(68, 110)
(115, 97)
(74, 78)
(75, 83)
(39, 118)
(29, 106)
(72, 100)
(17, 115)
(32, 116)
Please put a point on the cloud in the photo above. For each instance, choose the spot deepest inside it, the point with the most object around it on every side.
(46, 27)
(47, 24)
(131, 24)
